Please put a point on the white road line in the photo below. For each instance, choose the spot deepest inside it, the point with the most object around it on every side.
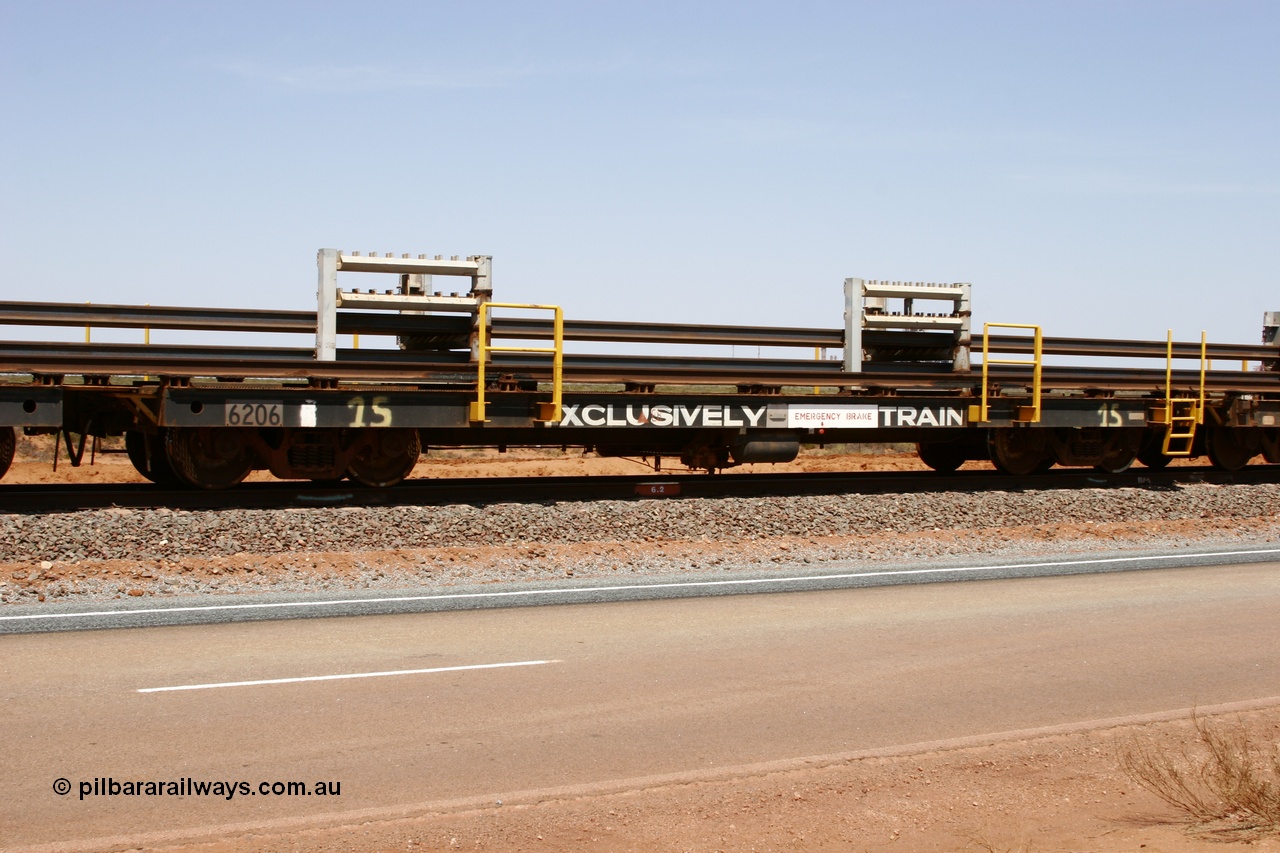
(344, 676)
(590, 590)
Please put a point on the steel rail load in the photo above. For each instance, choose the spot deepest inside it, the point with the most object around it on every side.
(471, 372)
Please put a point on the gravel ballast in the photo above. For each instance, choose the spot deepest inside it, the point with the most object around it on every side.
(108, 553)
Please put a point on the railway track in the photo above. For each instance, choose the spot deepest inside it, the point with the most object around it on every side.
(57, 498)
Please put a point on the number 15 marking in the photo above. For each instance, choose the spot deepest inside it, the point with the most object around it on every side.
(377, 411)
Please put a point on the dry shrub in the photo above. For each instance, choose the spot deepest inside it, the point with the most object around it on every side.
(981, 844)
(1227, 783)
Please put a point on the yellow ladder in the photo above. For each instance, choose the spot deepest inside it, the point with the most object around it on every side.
(1021, 414)
(547, 412)
(1182, 414)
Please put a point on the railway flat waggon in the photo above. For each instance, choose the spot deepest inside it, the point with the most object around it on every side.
(468, 371)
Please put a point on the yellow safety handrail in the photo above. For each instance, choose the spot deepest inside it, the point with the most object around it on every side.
(547, 412)
(1204, 350)
(1189, 412)
(1035, 364)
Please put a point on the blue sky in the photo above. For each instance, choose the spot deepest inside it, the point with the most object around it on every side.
(1104, 169)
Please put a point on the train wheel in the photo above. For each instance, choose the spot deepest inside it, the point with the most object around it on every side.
(1151, 455)
(387, 457)
(149, 459)
(1117, 451)
(209, 457)
(1117, 463)
(942, 456)
(8, 445)
(1018, 452)
(1229, 449)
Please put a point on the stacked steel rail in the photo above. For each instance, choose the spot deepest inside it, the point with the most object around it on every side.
(472, 372)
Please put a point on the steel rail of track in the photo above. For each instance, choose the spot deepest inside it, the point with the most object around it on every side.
(229, 319)
(46, 498)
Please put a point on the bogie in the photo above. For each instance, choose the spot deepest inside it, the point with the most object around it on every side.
(1108, 450)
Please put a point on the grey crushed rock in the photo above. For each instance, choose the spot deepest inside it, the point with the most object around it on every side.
(631, 538)
(165, 534)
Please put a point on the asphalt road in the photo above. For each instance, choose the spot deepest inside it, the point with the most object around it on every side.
(594, 694)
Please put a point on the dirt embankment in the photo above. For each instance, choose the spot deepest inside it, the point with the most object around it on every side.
(1034, 792)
